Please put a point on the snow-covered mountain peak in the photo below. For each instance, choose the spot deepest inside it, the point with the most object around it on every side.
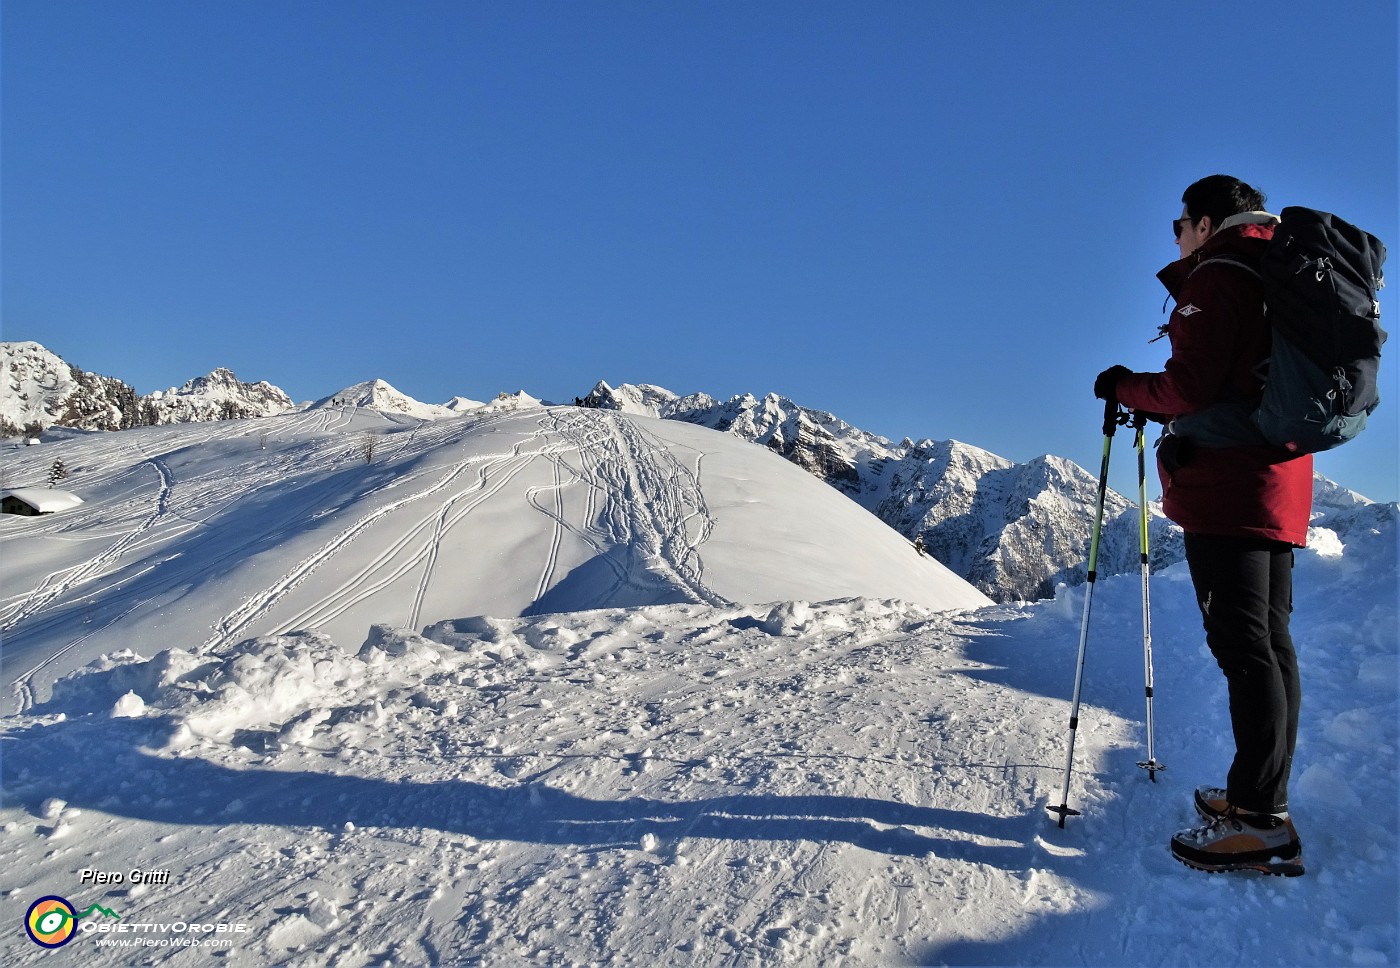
(220, 395)
(1059, 473)
(41, 390)
(379, 395)
(519, 400)
(220, 376)
(34, 356)
(222, 380)
(1329, 496)
(957, 453)
(364, 394)
(642, 399)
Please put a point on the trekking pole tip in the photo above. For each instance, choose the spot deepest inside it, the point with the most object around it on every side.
(1153, 768)
(1063, 812)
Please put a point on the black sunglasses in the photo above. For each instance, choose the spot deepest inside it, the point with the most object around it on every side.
(1177, 224)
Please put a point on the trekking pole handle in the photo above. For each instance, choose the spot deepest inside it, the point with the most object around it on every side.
(1110, 416)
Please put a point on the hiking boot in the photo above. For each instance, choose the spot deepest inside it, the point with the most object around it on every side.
(1238, 841)
(1211, 803)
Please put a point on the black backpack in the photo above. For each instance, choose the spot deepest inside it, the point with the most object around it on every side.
(1320, 277)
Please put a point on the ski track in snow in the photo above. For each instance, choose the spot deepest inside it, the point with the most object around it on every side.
(164, 519)
(655, 529)
(60, 583)
(392, 562)
(406, 553)
(622, 464)
(555, 511)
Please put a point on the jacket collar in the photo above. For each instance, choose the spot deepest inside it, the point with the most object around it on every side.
(1240, 233)
(1249, 218)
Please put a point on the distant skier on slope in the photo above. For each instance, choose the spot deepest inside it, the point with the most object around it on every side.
(1244, 510)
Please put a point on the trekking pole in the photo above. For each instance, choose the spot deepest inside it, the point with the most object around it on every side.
(1139, 424)
(1110, 424)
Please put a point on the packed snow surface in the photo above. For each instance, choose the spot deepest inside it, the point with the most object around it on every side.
(233, 664)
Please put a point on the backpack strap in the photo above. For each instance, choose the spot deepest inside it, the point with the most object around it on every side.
(1229, 261)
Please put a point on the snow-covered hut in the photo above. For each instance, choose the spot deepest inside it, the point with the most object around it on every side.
(37, 500)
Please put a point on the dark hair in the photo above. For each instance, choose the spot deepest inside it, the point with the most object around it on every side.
(1221, 196)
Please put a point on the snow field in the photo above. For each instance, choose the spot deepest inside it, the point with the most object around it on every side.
(856, 780)
(679, 755)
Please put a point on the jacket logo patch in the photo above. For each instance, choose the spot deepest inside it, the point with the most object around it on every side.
(1188, 310)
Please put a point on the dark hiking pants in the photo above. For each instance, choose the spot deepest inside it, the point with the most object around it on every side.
(1244, 587)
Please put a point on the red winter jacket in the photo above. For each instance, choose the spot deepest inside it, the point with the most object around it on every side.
(1218, 337)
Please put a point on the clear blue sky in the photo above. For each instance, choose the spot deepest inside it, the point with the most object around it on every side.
(932, 219)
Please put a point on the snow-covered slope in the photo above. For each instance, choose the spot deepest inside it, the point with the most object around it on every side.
(855, 782)
(1015, 531)
(209, 533)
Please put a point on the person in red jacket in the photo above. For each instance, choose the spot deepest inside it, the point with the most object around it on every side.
(1243, 510)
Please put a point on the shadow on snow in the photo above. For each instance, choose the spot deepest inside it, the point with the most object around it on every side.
(102, 766)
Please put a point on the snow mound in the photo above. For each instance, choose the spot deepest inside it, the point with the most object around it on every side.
(339, 519)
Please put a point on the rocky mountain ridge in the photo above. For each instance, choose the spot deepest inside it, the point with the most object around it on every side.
(218, 396)
(39, 389)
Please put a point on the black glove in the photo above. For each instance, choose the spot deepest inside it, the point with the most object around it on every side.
(1106, 384)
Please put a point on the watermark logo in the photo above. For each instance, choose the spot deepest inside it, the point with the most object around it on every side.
(52, 921)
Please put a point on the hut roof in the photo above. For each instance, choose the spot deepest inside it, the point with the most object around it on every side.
(45, 500)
